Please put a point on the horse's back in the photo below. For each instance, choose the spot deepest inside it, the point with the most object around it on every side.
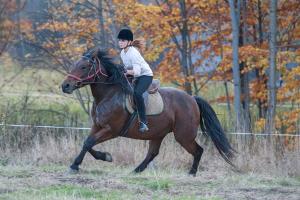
(180, 102)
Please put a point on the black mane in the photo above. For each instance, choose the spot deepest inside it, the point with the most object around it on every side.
(114, 71)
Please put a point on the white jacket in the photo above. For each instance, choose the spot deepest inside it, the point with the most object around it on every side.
(132, 59)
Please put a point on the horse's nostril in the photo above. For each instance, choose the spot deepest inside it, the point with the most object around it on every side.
(68, 88)
(65, 87)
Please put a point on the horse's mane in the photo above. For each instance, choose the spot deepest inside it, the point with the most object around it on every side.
(114, 71)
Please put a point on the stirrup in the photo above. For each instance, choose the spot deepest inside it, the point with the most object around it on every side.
(143, 127)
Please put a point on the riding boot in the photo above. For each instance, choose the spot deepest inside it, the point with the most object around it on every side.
(143, 127)
(143, 122)
(142, 116)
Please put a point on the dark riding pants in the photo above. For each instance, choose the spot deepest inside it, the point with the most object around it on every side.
(141, 84)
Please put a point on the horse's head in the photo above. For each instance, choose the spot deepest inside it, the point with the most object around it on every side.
(85, 71)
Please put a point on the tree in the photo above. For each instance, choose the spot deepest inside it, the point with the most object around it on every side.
(272, 67)
(66, 32)
(235, 20)
(7, 25)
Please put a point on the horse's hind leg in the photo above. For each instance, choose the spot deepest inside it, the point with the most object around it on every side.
(197, 157)
(153, 151)
(187, 141)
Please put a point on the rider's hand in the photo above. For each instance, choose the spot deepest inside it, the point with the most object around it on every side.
(129, 72)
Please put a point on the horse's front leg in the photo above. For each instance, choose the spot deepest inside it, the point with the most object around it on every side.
(96, 137)
(98, 155)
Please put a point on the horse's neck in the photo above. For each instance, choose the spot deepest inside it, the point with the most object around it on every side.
(102, 91)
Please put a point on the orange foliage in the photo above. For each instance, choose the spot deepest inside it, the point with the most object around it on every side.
(7, 24)
(209, 28)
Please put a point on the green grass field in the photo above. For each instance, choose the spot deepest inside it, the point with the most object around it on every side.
(96, 182)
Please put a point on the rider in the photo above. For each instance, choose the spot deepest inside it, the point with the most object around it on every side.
(136, 66)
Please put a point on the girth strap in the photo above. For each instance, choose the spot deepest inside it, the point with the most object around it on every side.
(125, 128)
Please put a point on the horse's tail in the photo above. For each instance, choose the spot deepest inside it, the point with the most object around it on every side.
(210, 125)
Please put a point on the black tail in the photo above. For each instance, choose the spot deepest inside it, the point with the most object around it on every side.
(210, 125)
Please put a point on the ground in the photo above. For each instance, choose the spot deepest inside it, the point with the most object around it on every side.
(110, 182)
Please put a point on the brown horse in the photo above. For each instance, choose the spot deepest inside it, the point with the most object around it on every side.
(181, 115)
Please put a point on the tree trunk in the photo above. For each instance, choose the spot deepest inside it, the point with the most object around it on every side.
(228, 101)
(20, 44)
(235, 15)
(272, 67)
(261, 78)
(3, 33)
(102, 37)
(219, 28)
(184, 52)
(245, 91)
(113, 26)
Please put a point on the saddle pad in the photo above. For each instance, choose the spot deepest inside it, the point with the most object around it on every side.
(153, 103)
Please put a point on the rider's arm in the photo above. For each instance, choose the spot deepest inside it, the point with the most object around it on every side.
(136, 62)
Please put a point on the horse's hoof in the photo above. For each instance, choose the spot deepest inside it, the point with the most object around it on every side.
(72, 171)
(137, 171)
(108, 157)
(192, 173)
(134, 172)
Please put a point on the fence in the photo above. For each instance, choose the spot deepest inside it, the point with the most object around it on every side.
(43, 144)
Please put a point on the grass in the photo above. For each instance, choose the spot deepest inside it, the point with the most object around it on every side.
(34, 96)
(153, 184)
(102, 182)
(36, 110)
(66, 192)
(187, 198)
(19, 79)
(52, 168)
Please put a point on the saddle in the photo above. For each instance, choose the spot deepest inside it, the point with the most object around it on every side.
(155, 85)
(153, 101)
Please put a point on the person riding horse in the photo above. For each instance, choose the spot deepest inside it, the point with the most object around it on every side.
(136, 66)
(181, 116)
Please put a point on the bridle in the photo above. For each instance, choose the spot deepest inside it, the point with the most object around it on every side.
(96, 68)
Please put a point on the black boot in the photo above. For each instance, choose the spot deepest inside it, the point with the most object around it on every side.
(143, 127)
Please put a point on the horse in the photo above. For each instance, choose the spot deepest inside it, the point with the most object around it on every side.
(182, 113)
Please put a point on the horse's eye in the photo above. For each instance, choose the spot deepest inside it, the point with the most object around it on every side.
(83, 67)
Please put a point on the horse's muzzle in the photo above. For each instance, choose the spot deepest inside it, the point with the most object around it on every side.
(67, 88)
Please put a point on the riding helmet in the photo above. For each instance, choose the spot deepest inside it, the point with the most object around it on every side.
(125, 34)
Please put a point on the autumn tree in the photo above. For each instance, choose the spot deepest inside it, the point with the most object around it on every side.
(67, 30)
(7, 24)
(235, 18)
(272, 66)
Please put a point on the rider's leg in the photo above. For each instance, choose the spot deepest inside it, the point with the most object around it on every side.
(141, 85)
